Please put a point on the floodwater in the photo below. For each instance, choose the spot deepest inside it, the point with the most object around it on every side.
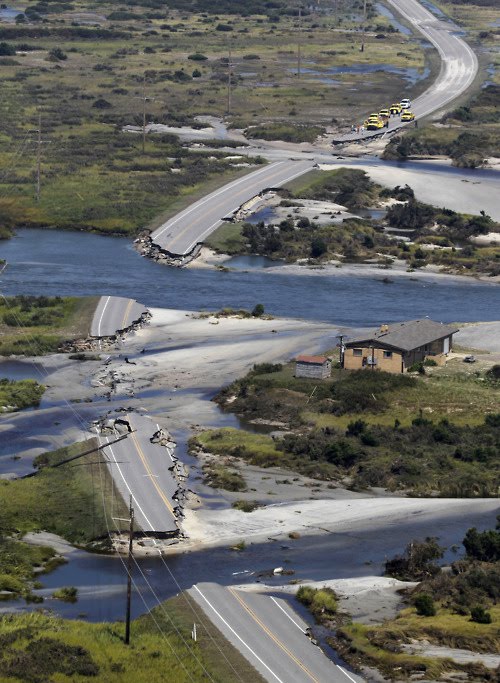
(50, 262)
(409, 74)
(69, 263)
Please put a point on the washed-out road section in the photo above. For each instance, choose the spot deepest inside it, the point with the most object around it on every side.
(144, 469)
(114, 314)
(269, 634)
(180, 235)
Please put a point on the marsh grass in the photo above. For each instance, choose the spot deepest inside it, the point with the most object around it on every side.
(67, 500)
(37, 647)
(30, 327)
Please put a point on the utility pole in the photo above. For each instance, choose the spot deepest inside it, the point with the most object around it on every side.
(229, 81)
(38, 156)
(363, 27)
(299, 46)
(129, 573)
(144, 116)
(340, 337)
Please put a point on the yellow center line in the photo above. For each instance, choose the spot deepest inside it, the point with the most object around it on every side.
(273, 636)
(125, 316)
(152, 476)
(235, 195)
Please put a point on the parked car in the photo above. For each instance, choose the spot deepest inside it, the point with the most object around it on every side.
(469, 359)
(407, 116)
(405, 103)
(395, 109)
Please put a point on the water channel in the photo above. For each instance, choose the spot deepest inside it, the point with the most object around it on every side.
(75, 263)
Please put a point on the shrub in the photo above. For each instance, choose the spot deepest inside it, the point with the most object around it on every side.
(258, 311)
(424, 604)
(66, 594)
(197, 57)
(7, 50)
(483, 546)
(480, 615)
(322, 602)
(493, 373)
(57, 55)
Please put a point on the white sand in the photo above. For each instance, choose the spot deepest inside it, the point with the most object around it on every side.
(439, 189)
(226, 527)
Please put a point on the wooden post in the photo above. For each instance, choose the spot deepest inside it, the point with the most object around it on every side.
(129, 574)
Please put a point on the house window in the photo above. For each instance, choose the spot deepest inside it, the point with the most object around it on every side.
(357, 352)
(387, 354)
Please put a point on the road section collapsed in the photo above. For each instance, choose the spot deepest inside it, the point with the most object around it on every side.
(144, 468)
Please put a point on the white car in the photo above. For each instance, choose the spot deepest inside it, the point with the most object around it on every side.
(405, 104)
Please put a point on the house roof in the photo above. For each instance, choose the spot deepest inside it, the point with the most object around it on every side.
(313, 360)
(408, 335)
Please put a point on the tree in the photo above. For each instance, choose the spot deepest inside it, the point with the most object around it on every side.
(483, 546)
(7, 50)
(424, 604)
(318, 247)
(258, 311)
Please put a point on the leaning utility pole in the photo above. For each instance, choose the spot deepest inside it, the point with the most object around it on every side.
(38, 157)
(129, 573)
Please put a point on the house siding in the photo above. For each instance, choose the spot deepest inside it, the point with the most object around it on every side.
(392, 364)
(313, 370)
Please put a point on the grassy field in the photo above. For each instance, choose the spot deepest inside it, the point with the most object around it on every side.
(90, 79)
(33, 326)
(75, 501)
(423, 434)
(38, 648)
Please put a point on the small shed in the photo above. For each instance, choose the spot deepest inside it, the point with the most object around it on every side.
(316, 367)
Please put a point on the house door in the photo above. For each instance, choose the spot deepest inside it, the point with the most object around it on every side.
(446, 345)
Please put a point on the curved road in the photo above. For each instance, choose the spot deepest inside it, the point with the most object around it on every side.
(181, 234)
(459, 65)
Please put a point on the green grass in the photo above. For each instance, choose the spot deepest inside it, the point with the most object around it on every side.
(16, 395)
(420, 435)
(66, 500)
(227, 239)
(21, 563)
(94, 176)
(375, 644)
(31, 327)
(38, 648)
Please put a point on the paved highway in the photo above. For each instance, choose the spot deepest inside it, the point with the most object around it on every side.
(458, 65)
(114, 314)
(145, 470)
(269, 634)
(181, 234)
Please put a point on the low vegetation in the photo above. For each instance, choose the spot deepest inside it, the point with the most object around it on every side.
(89, 78)
(17, 395)
(322, 602)
(20, 566)
(421, 434)
(432, 236)
(76, 501)
(469, 134)
(456, 608)
(34, 326)
(39, 647)
(285, 132)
